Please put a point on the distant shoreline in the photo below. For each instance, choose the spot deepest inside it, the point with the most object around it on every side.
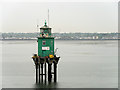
(55, 39)
(62, 36)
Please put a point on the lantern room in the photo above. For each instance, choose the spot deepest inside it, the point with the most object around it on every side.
(45, 31)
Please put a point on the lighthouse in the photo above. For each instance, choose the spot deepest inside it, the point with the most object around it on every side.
(45, 60)
(45, 42)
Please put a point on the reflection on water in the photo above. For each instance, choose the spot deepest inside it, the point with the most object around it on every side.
(46, 85)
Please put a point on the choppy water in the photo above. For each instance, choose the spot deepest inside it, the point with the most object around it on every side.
(83, 64)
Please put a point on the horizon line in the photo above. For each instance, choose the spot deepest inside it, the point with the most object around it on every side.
(61, 32)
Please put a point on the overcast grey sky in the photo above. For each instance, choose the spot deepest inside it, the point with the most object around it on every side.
(64, 16)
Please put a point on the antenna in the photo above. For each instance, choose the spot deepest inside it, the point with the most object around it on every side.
(48, 17)
(37, 25)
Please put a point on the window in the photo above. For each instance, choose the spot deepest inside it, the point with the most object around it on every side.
(43, 42)
(41, 31)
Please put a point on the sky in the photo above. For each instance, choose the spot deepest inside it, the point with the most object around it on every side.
(66, 16)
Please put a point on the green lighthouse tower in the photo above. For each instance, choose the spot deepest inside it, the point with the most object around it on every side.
(45, 42)
(46, 58)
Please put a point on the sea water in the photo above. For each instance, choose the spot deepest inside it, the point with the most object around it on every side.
(83, 64)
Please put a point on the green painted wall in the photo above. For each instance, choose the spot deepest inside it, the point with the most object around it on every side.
(49, 42)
